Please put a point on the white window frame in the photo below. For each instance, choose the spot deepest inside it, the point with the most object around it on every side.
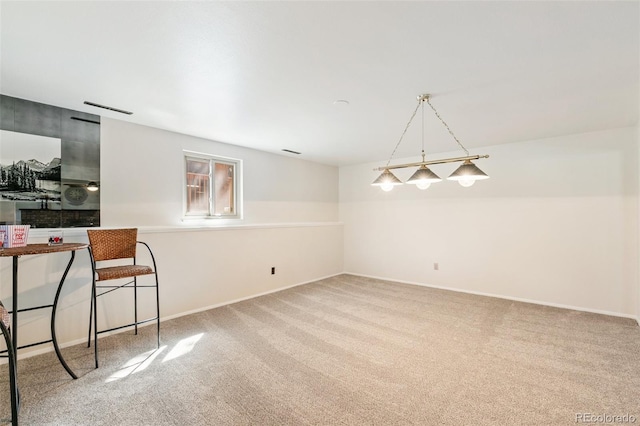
(237, 185)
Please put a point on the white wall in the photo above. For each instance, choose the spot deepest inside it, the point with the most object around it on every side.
(557, 224)
(290, 223)
(141, 174)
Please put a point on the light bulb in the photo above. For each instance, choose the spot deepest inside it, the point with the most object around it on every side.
(423, 184)
(467, 182)
(387, 186)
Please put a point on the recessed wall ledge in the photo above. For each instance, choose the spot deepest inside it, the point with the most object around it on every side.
(36, 234)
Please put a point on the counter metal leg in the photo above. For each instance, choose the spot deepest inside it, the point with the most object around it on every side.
(14, 314)
(53, 319)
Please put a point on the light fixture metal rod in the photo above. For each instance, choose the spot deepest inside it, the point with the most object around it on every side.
(430, 162)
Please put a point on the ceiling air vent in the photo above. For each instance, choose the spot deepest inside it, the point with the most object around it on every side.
(121, 111)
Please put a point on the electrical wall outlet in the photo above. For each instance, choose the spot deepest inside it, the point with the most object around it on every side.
(436, 266)
(273, 270)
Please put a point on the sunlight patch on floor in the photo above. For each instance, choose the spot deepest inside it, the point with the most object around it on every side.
(136, 364)
(182, 347)
(144, 360)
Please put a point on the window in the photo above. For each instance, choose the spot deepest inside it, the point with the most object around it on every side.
(212, 186)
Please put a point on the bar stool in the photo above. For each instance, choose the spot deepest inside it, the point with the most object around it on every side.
(5, 328)
(115, 244)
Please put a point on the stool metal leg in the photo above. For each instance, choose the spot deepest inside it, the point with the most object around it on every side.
(13, 381)
(135, 304)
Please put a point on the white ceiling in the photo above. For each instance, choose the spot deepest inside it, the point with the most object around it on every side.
(265, 74)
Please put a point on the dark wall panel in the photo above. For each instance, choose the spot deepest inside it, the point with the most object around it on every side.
(79, 135)
(36, 119)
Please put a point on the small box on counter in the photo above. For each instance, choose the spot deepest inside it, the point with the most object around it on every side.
(56, 237)
(14, 235)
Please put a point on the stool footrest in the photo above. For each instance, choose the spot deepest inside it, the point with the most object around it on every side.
(128, 325)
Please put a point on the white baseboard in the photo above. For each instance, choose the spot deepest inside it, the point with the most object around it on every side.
(500, 296)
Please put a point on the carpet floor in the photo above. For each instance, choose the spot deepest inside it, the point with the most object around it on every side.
(348, 351)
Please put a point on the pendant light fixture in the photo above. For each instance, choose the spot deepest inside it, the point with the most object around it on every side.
(387, 180)
(466, 174)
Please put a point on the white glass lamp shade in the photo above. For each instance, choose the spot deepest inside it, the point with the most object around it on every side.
(467, 174)
(387, 181)
(423, 177)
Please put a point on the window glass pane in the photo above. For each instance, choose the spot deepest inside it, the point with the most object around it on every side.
(197, 186)
(224, 180)
(213, 186)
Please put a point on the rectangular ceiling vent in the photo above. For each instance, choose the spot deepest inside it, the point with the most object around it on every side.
(86, 120)
(121, 111)
(292, 152)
